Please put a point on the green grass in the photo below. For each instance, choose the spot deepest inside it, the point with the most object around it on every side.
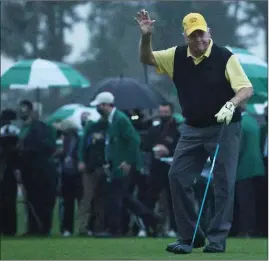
(89, 248)
(58, 248)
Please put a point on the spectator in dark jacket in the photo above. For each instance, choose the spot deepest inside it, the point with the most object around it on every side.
(71, 183)
(91, 155)
(37, 146)
(162, 139)
(8, 163)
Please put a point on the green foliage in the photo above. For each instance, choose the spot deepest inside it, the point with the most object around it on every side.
(257, 19)
(33, 29)
(114, 41)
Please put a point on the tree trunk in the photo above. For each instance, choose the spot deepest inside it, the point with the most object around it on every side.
(51, 48)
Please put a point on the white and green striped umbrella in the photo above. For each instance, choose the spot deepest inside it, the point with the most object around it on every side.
(39, 73)
(257, 72)
(72, 113)
(257, 108)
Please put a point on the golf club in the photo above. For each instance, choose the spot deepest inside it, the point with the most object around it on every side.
(31, 208)
(188, 248)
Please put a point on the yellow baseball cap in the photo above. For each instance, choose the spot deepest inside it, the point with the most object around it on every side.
(193, 22)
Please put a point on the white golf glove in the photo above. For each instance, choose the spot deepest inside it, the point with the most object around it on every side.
(226, 113)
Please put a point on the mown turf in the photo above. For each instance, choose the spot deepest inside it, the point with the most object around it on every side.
(126, 248)
(58, 248)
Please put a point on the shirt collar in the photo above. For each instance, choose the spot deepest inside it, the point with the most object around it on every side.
(111, 115)
(206, 54)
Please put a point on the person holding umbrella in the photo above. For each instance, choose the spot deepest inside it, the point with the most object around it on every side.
(211, 88)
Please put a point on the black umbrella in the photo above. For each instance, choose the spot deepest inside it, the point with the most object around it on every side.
(128, 93)
(161, 99)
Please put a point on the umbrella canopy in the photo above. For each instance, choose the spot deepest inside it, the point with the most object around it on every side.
(39, 73)
(72, 113)
(257, 72)
(257, 108)
(158, 95)
(128, 93)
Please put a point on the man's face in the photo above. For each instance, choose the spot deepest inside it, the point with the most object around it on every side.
(198, 41)
(24, 112)
(165, 112)
(102, 109)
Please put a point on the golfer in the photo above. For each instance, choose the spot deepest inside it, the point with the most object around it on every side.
(211, 86)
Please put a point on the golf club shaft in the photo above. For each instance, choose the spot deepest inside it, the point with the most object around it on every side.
(30, 206)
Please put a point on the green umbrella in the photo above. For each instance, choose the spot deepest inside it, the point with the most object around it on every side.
(39, 73)
(257, 72)
(72, 113)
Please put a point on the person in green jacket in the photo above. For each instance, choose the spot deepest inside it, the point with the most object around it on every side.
(123, 156)
(262, 195)
(122, 141)
(264, 140)
(250, 166)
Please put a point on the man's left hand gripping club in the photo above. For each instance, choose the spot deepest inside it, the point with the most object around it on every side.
(226, 113)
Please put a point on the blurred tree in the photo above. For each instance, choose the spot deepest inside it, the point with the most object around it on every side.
(256, 19)
(223, 23)
(13, 23)
(262, 8)
(114, 38)
(221, 20)
(168, 26)
(32, 29)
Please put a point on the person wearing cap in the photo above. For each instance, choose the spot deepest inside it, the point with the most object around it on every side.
(123, 157)
(211, 87)
(123, 152)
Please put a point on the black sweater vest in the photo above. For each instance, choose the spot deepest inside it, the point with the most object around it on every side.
(203, 89)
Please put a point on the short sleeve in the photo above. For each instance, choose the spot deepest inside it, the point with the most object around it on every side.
(236, 75)
(165, 61)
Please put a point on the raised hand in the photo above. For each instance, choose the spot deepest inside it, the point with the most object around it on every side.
(144, 21)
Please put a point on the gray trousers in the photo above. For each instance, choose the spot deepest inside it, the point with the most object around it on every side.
(194, 147)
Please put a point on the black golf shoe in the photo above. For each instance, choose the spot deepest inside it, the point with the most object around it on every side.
(180, 246)
(214, 248)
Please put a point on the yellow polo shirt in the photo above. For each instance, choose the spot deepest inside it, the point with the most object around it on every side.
(234, 72)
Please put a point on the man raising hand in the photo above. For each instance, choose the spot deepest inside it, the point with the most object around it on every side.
(211, 86)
